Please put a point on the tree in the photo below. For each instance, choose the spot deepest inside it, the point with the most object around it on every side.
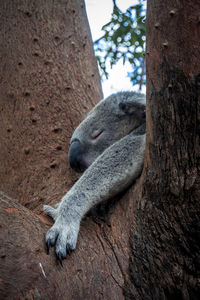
(148, 246)
(165, 240)
(124, 39)
(41, 73)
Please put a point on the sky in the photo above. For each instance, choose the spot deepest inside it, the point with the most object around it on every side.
(99, 13)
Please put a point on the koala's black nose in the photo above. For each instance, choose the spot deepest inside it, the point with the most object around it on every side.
(75, 156)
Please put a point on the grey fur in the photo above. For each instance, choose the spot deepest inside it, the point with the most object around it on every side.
(110, 145)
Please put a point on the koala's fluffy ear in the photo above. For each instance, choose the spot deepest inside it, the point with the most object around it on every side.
(130, 108)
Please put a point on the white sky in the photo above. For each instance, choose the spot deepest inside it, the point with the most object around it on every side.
(99, 13)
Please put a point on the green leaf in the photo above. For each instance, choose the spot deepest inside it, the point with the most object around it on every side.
(124, 38)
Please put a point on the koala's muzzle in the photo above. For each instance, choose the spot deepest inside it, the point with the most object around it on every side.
(75, 156)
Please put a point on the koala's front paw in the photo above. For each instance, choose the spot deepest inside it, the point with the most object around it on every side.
(63, 237)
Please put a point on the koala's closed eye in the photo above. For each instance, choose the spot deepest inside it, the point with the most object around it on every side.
(96, 134)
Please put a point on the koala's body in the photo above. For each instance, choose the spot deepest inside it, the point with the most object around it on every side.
(109, 147)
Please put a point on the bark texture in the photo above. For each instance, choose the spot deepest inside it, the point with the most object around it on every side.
(49, 80)
(97, 269)
(165, 244)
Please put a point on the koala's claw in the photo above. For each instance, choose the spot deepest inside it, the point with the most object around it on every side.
(48, 245)
(60, 258)
(68, 249)
(51, 238)
(63, 238)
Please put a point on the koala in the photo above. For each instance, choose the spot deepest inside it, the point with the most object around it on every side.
(108, 147)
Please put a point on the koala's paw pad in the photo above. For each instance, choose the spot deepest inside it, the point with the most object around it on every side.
(63, 238)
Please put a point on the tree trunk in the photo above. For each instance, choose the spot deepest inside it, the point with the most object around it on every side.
(49, 80)
(148, 246)
(165, 242)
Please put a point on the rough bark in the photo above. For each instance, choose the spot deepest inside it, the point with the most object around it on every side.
(165, 243)
(96, 270)
(49, 80)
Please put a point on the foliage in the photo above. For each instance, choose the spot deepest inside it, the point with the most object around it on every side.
(124, 38)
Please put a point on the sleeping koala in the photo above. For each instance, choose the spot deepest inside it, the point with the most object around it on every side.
(108, 146)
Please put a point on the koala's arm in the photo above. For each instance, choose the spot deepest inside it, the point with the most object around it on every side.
(115, 169)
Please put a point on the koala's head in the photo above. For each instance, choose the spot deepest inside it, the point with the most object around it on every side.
(110, 120)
